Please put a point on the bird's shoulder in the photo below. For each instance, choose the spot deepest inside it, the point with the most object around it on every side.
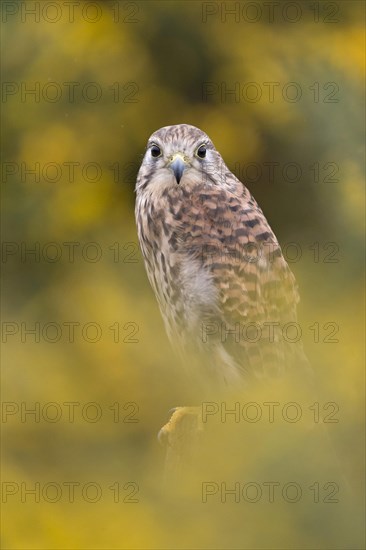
(230, 236)
(229, 217)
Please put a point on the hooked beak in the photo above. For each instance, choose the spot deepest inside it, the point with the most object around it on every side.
(178, 165)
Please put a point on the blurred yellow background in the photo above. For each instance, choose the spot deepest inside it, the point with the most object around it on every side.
(280, 90)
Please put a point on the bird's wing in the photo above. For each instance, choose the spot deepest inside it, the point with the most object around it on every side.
(257, 292)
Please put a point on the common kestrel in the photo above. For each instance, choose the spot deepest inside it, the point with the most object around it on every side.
(226, 294)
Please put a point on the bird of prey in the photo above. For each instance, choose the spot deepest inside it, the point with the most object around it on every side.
(226, 294)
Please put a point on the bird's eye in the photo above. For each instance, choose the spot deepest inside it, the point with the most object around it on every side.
(155, 151)
(201, 151)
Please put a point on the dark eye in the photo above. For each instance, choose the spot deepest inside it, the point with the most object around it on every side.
(155, 151)
(201, 151)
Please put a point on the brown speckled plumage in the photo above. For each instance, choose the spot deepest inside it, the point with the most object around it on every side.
(214, 263)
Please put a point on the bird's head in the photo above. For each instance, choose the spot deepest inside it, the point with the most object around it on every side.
(176, 156)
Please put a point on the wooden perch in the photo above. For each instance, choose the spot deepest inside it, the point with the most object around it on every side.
(182, 437)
